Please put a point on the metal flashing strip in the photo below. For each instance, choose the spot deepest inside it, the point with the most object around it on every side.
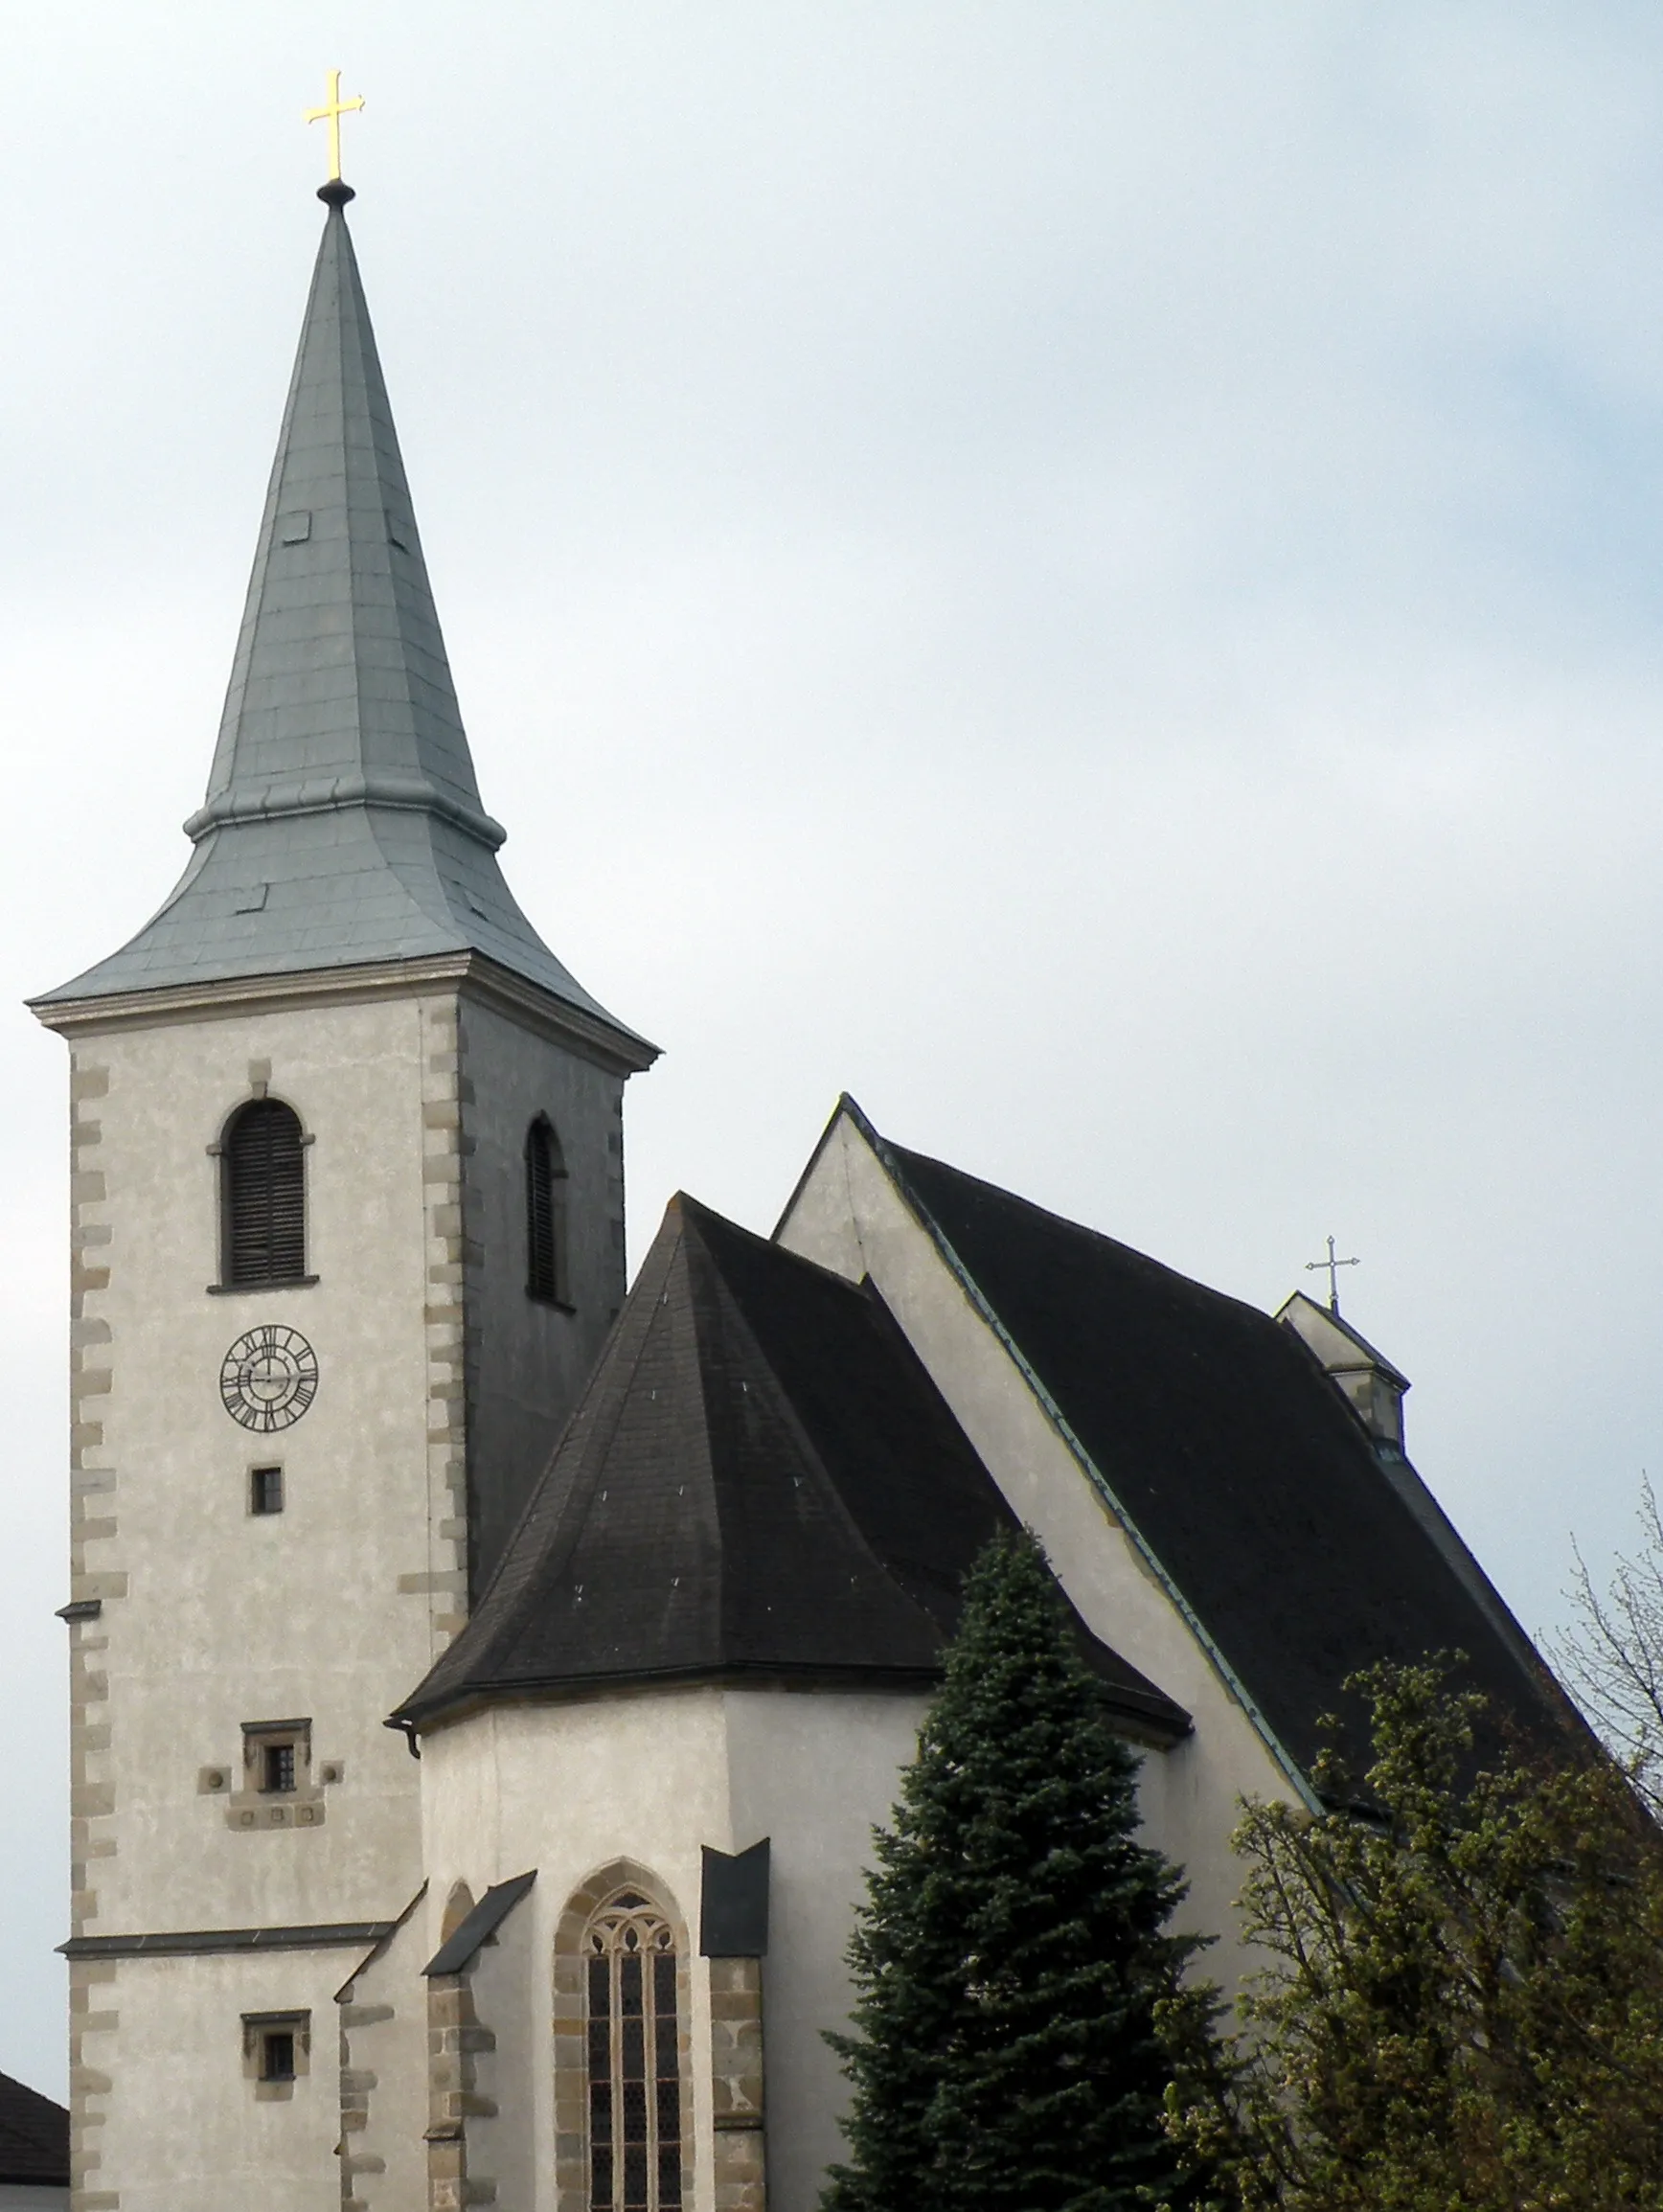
(459, 1951)
(202, 1943)
(332, 794)
(733, 1906)
(977, 1300)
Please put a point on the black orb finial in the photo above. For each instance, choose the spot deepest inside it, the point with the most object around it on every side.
(335, 193)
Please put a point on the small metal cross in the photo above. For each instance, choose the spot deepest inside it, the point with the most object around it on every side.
(331, 112)
(1332, 1266)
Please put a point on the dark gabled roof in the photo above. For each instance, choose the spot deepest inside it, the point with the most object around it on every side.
(1237, 1464)
(34, 2136)
(761, 1482)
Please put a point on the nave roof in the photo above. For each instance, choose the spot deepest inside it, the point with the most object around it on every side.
(1246, 1474)
(34, 2136)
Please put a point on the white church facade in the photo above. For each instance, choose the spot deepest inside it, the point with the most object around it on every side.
(486, 1676)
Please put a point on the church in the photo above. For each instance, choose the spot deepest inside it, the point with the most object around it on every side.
(486, 1675)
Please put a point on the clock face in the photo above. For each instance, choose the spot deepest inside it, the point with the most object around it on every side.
(268, 1377)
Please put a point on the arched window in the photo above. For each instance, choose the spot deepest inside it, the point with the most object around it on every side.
(547, 1275)
(263, 1195)
(622, 2055)
(633, 2058)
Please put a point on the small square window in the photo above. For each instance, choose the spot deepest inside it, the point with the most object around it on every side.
(276, 2052)
(277, 1757)
(265, 1490)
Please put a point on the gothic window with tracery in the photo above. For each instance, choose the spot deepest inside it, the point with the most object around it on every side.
(633, 2057)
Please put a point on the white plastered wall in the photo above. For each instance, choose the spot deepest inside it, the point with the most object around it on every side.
(187, 2130)
(330, 1611)
(848, 1215)
(325, 1610)
(382, 2041)
(816, 1773)
(650, 1778)
(212, 1617)
(567, 1788)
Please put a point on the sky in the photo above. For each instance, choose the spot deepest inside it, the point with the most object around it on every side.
(1086, 571)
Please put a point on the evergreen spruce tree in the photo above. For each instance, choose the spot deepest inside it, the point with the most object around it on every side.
(1013, 1951)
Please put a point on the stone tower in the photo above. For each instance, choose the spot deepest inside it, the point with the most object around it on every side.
(348, 1224)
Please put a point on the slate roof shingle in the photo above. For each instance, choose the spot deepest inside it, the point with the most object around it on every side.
(761, 1482)
(34, 2136)
(1239, 1462)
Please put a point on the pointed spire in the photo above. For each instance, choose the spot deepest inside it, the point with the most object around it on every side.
(340, 688)
(342, 823)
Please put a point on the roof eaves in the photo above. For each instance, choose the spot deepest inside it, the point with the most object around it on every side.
(601, 1036)
(1052, 1412)
(478, 1691)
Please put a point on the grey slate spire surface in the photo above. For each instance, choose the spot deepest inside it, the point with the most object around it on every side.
(342, 823)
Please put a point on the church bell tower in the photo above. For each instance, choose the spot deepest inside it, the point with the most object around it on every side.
(348, 1229)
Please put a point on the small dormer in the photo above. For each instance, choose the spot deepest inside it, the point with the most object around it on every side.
(1371, 1383)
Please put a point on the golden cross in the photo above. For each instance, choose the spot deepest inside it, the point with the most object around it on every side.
(331, 111)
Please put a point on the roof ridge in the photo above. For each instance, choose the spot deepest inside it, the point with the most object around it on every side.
(783, 1408)
(604, 1380)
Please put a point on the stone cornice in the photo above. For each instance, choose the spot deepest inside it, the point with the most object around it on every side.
(205, 1942)
(471, 974)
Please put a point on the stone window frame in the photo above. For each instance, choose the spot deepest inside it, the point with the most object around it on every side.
(259, 2029)
(260, 1740)
(251, 1805)
(229, 1281)
(570, 2020)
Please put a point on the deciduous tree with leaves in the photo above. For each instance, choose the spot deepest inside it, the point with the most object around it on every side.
(1462, 2005)
(1611, 1655)
(1015, 1952)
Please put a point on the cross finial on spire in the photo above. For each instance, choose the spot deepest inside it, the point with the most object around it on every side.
(1332, 1268)
(331, 112)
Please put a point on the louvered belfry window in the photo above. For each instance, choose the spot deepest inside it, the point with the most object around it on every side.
(546, 1270)
(263, 1205)
(634, 2063)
